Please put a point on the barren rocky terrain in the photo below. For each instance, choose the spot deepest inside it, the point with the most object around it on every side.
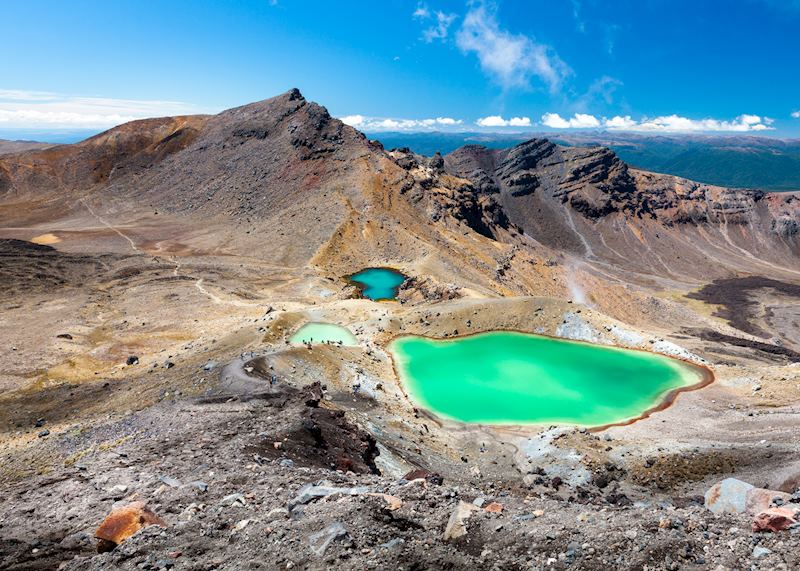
(153, 274)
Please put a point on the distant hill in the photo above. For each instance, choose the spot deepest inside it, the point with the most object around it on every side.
(733, 161)
(8, 147)
(52, 136)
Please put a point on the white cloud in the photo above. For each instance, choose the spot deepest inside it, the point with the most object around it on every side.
(422, 11)
(352, 120)
(663, 124)
(439, 30)
(23, 95)
(796, 114)
(498, 121)
(509, 59)
(677, 124)
(620, 123)
(40, 109)
(577, 121)
(389, 124)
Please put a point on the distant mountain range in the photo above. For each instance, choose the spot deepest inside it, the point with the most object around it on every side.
(732, 161)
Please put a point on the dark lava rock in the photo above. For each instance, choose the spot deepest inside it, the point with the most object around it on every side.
(318, 437)
(430, 477)
(436, 162)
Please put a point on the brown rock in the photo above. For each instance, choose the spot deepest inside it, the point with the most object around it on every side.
(392, 502)
(123, 522)
(494, 508)
(759, 500)
(775, 519)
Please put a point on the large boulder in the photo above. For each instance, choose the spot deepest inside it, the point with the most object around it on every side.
(736, 497)
(728, 496)
(123, 522)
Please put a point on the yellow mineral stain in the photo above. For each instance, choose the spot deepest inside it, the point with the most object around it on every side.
(46, 239)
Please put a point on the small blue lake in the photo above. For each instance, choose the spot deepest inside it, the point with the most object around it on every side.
(378, 284)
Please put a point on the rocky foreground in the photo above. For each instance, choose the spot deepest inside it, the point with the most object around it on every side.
(280, 481)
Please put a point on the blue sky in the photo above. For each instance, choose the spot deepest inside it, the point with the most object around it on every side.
(643, 65)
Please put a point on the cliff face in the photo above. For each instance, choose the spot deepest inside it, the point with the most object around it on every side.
(429, 188)
(584, 200)
(596, 183)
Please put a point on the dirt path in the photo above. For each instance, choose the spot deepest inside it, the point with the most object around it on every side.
(110, 226)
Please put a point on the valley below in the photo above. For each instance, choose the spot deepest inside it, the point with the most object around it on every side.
(156, 278)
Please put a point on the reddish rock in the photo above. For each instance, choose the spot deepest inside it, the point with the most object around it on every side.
(494, 508)
(123, 522)
(775, 519)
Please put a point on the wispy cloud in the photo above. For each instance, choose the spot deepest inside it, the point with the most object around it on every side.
(662, 124)
(439, 30)
(41, 109)
(580, 25)
(796, 114)
(422, 11)
(498, 121)
(439, 21)
(511, 60)
(391, 124)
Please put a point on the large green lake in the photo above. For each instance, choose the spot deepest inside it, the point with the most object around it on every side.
(518, 378)
(378, 283)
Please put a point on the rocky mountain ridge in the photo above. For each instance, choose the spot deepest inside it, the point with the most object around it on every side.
(596, 183)
(286, 157)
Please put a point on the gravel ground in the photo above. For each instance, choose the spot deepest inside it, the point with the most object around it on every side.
(234, 499)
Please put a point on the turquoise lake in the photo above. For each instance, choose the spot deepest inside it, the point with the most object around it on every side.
(505, 377)
(378, 284)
